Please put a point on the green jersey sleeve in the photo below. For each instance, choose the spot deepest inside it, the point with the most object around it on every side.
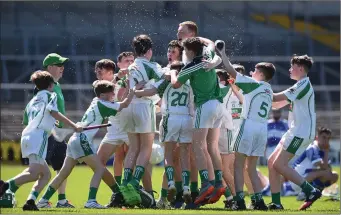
(25, 118)
(247, 84)
(107, 109)
(153, 70)
(161, 86)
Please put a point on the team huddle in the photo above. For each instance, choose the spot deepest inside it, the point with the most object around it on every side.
(214, 122)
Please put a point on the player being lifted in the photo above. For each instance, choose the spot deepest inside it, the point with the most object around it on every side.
(40, 116)
(80, 146)
(141, 120)
(302, 125)
(250, 139)
(208, 98)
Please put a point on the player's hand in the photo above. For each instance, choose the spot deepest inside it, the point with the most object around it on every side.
(220, 46)
(140, 85)
(78, 128)
(208, 65)
(167, 76)
(231, 81)
(122, 73)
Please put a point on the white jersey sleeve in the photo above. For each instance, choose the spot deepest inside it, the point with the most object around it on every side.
(295, 91)
(52, 103)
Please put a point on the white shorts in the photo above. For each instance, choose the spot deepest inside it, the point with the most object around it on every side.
(294, 144)
(250, 138)
(34, 142)
(115, 136)
(269, 151)
(79, 147)
(176, 128)
(225, 141)
(141, 118)
(209, 115)
(33, 158)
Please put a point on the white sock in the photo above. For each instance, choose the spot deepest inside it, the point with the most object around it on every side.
(91, 200)
(229, 198)
(63, 201)
(31, 196)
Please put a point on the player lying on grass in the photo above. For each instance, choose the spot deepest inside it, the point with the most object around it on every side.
(80, 148)
(175, 127)
(302, 125)
(40, 116)
(249, 141)
(208, 97)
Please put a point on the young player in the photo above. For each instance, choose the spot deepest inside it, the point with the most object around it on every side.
(80, 148)
(141, 120)
(208, 99)
(302, 123)
(313, 164)
(249, 141)
(56, 151)
(40, 116)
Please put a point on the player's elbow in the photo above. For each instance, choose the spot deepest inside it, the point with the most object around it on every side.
(176, 85)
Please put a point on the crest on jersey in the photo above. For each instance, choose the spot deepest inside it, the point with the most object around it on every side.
(267, 91)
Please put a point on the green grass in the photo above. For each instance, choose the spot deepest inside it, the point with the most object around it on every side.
(78, 185)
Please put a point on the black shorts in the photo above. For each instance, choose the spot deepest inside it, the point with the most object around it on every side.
(56, 152)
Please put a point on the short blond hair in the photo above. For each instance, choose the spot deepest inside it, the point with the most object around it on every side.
(192, 26)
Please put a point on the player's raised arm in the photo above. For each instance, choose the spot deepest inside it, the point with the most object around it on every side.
(279, 105)
(220, 45)
(125, 103)
(279, 97)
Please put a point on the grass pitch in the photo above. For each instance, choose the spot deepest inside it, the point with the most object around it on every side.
(78, 185)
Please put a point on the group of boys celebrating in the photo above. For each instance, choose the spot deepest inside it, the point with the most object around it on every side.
(214, 121)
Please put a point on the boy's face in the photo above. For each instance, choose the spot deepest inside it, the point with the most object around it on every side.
(189, 54)
(173, 54)
(110, 96)
(104, 74)
(323, 140)
(184, 33)
(257, 75)
(296, 71)
(125, 62)
(56, 71)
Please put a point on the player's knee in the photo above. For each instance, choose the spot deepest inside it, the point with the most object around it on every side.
(335, 177)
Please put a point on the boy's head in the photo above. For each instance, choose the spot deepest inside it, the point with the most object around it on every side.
(142, 45)
(223, 76)
(300, 66)
(186, 30)
(104, 69)
(324, 135)
(174, 52)
(43, 80)
(263, 71)
(125, 59)
(54, 64)
(176, 65)
(104, 90)
(193, 47)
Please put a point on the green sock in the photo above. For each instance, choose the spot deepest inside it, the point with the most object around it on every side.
(12, 186)
(253, 197)
(169, 170)
(227, 192)
(49, 193)
(61, 197)
(92, 193)
(118, 179)
(307, 188)
(33, 195)
(212, 182)
(178, 185)
(139, 172)
(203, 176)
(258, 197)
(240, 195)
(194, 187)
(186, 177)
(127, 176)
(164, 193)
(276, 198)
(218, 177)
(115, 188)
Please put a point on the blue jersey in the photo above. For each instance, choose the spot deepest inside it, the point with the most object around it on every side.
(306, 162)
(276, 129)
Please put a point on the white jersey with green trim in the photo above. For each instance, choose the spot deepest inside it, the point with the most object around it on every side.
(175, 101)
(37, 112)
(146, 71)
(98, 111)
(257, 96)
(234, 106)
(207, 53)
(302, 115)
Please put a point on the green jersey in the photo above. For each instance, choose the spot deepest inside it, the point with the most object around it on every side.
(204, 83)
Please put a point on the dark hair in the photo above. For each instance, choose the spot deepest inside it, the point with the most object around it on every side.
(176, 44)
(239, 68)
(192, 26)
(105, 64)
(268, 70)
(141, 44)
(124, 54)
(176, 65)
(194, 44)
(41, 79)
(322, 129)
(102, 86)
(303, 60)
